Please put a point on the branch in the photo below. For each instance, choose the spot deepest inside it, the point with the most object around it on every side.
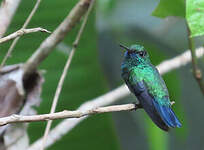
(23, 27)
(65, 70)
(113, 96)
(57, 36)
(7, 10)
(196, 70)
(66, 114)
(179, 61)
(22, 32)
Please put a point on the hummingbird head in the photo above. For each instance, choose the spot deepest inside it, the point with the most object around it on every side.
(136, 54)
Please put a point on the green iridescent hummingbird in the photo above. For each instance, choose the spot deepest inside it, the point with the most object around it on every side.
(145, 82)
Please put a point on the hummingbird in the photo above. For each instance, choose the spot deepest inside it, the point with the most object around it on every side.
(145, 82)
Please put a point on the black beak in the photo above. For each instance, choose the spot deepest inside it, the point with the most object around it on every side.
(125, 47)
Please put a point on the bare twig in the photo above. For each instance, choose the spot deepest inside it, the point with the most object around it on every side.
(7, 10)
(23, 27)
(60, 84)
(57, 36)
(113, 96)
(22, 32)
(196, 70)
(66, 114)
(179, 61)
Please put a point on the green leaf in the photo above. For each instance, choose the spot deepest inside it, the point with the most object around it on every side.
(195, 16)
(170, 8)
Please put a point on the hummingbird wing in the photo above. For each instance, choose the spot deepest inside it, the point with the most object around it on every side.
(162, 103)
(161, 115)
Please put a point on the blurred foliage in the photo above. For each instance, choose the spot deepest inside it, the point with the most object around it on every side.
(195, 16)
(170, 8)
(106, 6)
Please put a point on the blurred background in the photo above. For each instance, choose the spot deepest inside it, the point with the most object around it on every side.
(95, 70)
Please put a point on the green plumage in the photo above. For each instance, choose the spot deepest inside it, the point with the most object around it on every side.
(143, 79)
(150, 76)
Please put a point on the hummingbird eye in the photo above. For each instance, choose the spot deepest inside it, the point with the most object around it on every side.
(142, 53)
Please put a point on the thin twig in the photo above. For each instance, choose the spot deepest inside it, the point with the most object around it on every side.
(66, 114)
(7, 11)
(23, 27)
(60, 84)
(31, 14)
(196, 70)
(57, 36)
(22, 32)
(113, 96)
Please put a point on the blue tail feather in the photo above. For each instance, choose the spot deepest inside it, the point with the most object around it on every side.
(147, 103)
(167, 115)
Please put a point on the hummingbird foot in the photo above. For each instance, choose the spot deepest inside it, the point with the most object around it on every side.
(137, 106)
(172, 102)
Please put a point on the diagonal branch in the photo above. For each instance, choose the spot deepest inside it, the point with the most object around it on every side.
(22, 32)
(7, 11)
(61, 82)
(57, 36)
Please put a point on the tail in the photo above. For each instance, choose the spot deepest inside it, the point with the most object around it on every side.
(147, 103)
(167, 115)
(161, 115)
